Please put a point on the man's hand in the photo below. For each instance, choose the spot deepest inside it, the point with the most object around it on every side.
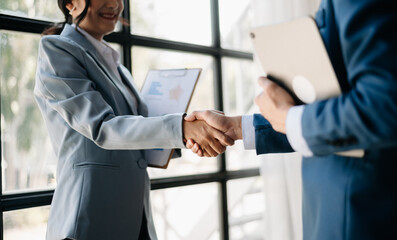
(211, 141)
(230, 126)
(274, 103)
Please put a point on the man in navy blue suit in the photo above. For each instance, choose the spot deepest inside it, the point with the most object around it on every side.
(343, 197)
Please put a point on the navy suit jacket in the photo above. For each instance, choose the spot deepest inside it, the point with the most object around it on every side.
(350, 198)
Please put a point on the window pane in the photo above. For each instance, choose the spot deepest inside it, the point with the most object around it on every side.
(239, 90)
(28, 223)
(41, 9)
(27, 157)
(235, 19)
(246, 207)
(177, 20)
(186, 212)
(144, 59)
(239, 86)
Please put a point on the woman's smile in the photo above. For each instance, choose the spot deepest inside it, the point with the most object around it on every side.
(101, 17)
(109, 16)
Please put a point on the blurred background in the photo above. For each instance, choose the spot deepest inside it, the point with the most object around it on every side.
(209, 198)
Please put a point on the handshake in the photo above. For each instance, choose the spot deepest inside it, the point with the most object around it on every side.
(208, 133)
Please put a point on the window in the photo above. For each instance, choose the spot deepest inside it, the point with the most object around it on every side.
(172, 19)
(28, 161)
(28, 223)
(235, 23)
(38, 9)
(217, 193)
(170, 206)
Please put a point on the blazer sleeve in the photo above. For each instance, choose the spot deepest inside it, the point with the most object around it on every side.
(64, 85)
(366, 116)
(267, 140)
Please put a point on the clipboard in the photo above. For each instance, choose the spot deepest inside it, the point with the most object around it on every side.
(293, 55)
(165, 92)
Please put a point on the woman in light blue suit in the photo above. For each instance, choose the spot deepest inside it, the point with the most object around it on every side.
(98, 127)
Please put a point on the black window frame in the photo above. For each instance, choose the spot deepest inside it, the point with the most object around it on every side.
(10, 202)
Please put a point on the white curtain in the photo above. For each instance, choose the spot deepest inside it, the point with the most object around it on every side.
(281, 173)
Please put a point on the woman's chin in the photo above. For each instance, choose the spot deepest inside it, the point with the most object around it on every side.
(108, 29)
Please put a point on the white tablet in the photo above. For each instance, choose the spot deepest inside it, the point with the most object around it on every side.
(293, 55)
(293, 52)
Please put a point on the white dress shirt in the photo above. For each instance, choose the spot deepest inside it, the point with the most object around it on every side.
(111, 59)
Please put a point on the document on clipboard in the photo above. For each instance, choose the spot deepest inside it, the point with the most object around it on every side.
(165, 92)
(293, 55)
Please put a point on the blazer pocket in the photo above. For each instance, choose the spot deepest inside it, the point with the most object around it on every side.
(96, 165)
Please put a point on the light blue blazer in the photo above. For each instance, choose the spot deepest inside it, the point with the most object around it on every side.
(98, 136)
(350, 198)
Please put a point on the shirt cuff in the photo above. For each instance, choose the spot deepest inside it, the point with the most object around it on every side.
(247, 125)
(294, 131)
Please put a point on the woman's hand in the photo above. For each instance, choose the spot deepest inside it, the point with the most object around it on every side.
(211, 141)
(230, 126)
(194, 147)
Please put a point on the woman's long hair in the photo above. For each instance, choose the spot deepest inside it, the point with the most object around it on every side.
(57, 28)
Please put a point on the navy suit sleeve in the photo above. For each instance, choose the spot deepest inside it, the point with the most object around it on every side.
(267, 140)
(366, 116)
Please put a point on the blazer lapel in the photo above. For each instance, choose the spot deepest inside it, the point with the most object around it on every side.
(141, 106)
(72, 33)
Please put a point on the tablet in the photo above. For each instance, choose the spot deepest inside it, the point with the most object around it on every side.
(294, 54)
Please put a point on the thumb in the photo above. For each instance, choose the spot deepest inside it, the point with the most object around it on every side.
(190, 118)
(196, 115)
(263, 81)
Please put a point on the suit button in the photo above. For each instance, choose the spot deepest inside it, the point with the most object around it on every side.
(142, 163)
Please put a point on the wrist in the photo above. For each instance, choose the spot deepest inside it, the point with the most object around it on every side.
(184, 130)
(237, 128)
(282, 126)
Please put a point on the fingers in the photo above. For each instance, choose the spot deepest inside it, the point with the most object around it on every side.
(196, 115)
(212, 149)
(197, 150)
(258, 99)
(218, 141)
(223, 139)
(201, 115)
(194, 147)
(211, 141)
(218, 148)
(200, 153)
(215, 119)
(269, 87)
(191, 117)
(263, 81)
(190, 144)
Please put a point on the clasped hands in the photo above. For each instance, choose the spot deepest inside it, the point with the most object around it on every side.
(208, 133)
